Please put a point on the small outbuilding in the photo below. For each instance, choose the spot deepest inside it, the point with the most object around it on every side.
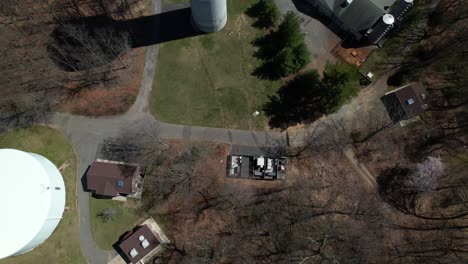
(137, 244)
(112, 179)
(141, 244)
(406, 102)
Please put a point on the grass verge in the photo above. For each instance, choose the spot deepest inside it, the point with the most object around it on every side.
(106, 234)
(63, 246)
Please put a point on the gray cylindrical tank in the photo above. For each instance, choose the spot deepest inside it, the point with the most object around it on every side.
(209, 15)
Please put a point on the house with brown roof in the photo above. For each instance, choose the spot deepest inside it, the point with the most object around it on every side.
(112, 179)
(137, 244)
(406, 102)
(141, 244)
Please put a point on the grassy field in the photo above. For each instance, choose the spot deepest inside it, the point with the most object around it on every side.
(63, 246)
(106, 234)
(206, 80)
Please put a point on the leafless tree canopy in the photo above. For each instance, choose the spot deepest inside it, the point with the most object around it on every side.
(138, 143)
(425, 175)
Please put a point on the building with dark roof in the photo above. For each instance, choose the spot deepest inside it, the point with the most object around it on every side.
(406, 102)
(255, 163)
(110, 178)
(363, 19)
(137, 244)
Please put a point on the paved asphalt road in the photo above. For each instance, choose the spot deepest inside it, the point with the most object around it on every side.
(87, 133)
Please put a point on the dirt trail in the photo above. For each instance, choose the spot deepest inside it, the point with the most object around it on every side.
(360, 168)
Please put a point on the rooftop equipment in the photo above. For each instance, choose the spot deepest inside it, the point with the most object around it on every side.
(145, 243)
(133, 253)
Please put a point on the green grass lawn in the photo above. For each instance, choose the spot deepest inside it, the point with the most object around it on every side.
(106, 234)
(63, 246)
(206, 80)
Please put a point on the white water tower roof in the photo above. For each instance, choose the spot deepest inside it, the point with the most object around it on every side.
(32, 200)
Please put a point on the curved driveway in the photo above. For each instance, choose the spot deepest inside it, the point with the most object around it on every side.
(87, 133)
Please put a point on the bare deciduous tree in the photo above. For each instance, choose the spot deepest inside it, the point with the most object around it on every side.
(139, 143)
(107, 214)
(425, 175)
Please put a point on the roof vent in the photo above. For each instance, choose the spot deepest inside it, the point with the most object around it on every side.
(133, 253)
(410, 101)
(141, 238)
(145, 243)
(423, 96)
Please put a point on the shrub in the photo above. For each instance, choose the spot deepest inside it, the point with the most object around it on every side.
(293, 54)
(342, 82)
(269, 15)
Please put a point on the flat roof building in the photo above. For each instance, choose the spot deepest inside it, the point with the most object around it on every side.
(254, 163)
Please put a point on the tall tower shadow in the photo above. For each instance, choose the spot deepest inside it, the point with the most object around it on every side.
(65, 43)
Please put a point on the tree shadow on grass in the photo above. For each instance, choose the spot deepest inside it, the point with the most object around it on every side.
(266, 46)
(267, 71)
(300, 100)
(266, 52)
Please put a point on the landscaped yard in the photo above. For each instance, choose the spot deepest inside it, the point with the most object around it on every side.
(63, 246)
(105, 234)
(207, 80)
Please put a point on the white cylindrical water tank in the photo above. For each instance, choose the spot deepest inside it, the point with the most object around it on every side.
(209, 15)
(32, 201)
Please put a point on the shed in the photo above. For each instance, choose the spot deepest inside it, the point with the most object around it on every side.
(137, 244)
